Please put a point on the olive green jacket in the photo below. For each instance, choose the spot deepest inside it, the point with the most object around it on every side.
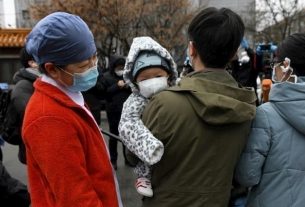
(203, 123)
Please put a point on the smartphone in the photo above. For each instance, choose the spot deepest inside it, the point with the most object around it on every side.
(4, 86)
(265, 47)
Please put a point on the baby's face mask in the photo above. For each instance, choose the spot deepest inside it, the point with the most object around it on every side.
(151, 81)
(150, 87)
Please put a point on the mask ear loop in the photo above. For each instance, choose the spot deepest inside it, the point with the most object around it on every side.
(60, 68)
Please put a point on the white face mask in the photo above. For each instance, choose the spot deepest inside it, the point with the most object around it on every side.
(119, 72)
(152, 86)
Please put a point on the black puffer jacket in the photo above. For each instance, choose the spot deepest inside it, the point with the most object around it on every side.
(20, 96)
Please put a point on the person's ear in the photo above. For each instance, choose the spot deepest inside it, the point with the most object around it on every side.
(32, 64)
(52, 70)
(192, 50)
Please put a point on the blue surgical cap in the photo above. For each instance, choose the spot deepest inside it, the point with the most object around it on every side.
(61, 38)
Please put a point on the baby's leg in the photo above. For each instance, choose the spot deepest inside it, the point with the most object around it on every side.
(143, 170)
(143, 184)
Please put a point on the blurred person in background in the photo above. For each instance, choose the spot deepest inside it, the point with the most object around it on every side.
(273, 163)
(116, 92)
(94, 98)
(13, 193)
(242, 67)
(20, 96)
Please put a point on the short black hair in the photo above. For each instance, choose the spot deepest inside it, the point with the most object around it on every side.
(25, 57)
(293, 47)
(216, 35)
(116, 60)
(42, 69)
(119, 62)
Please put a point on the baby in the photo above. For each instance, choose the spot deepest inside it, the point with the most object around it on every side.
(149, 69)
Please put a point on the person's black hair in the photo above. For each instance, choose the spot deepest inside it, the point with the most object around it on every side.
(42, 69)
(25, 57)
(119, 62)
(116, 60)
(216, 34)
(293, 47)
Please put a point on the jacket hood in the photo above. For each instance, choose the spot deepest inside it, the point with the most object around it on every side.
(147, 44)
(288, 100)
(24, 74)
(217, 98)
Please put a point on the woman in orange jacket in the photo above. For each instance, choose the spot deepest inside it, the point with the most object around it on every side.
(68, 161)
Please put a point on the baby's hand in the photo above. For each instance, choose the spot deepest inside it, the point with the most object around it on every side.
(121, 83)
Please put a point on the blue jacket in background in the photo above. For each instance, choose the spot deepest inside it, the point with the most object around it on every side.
(273, 162)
